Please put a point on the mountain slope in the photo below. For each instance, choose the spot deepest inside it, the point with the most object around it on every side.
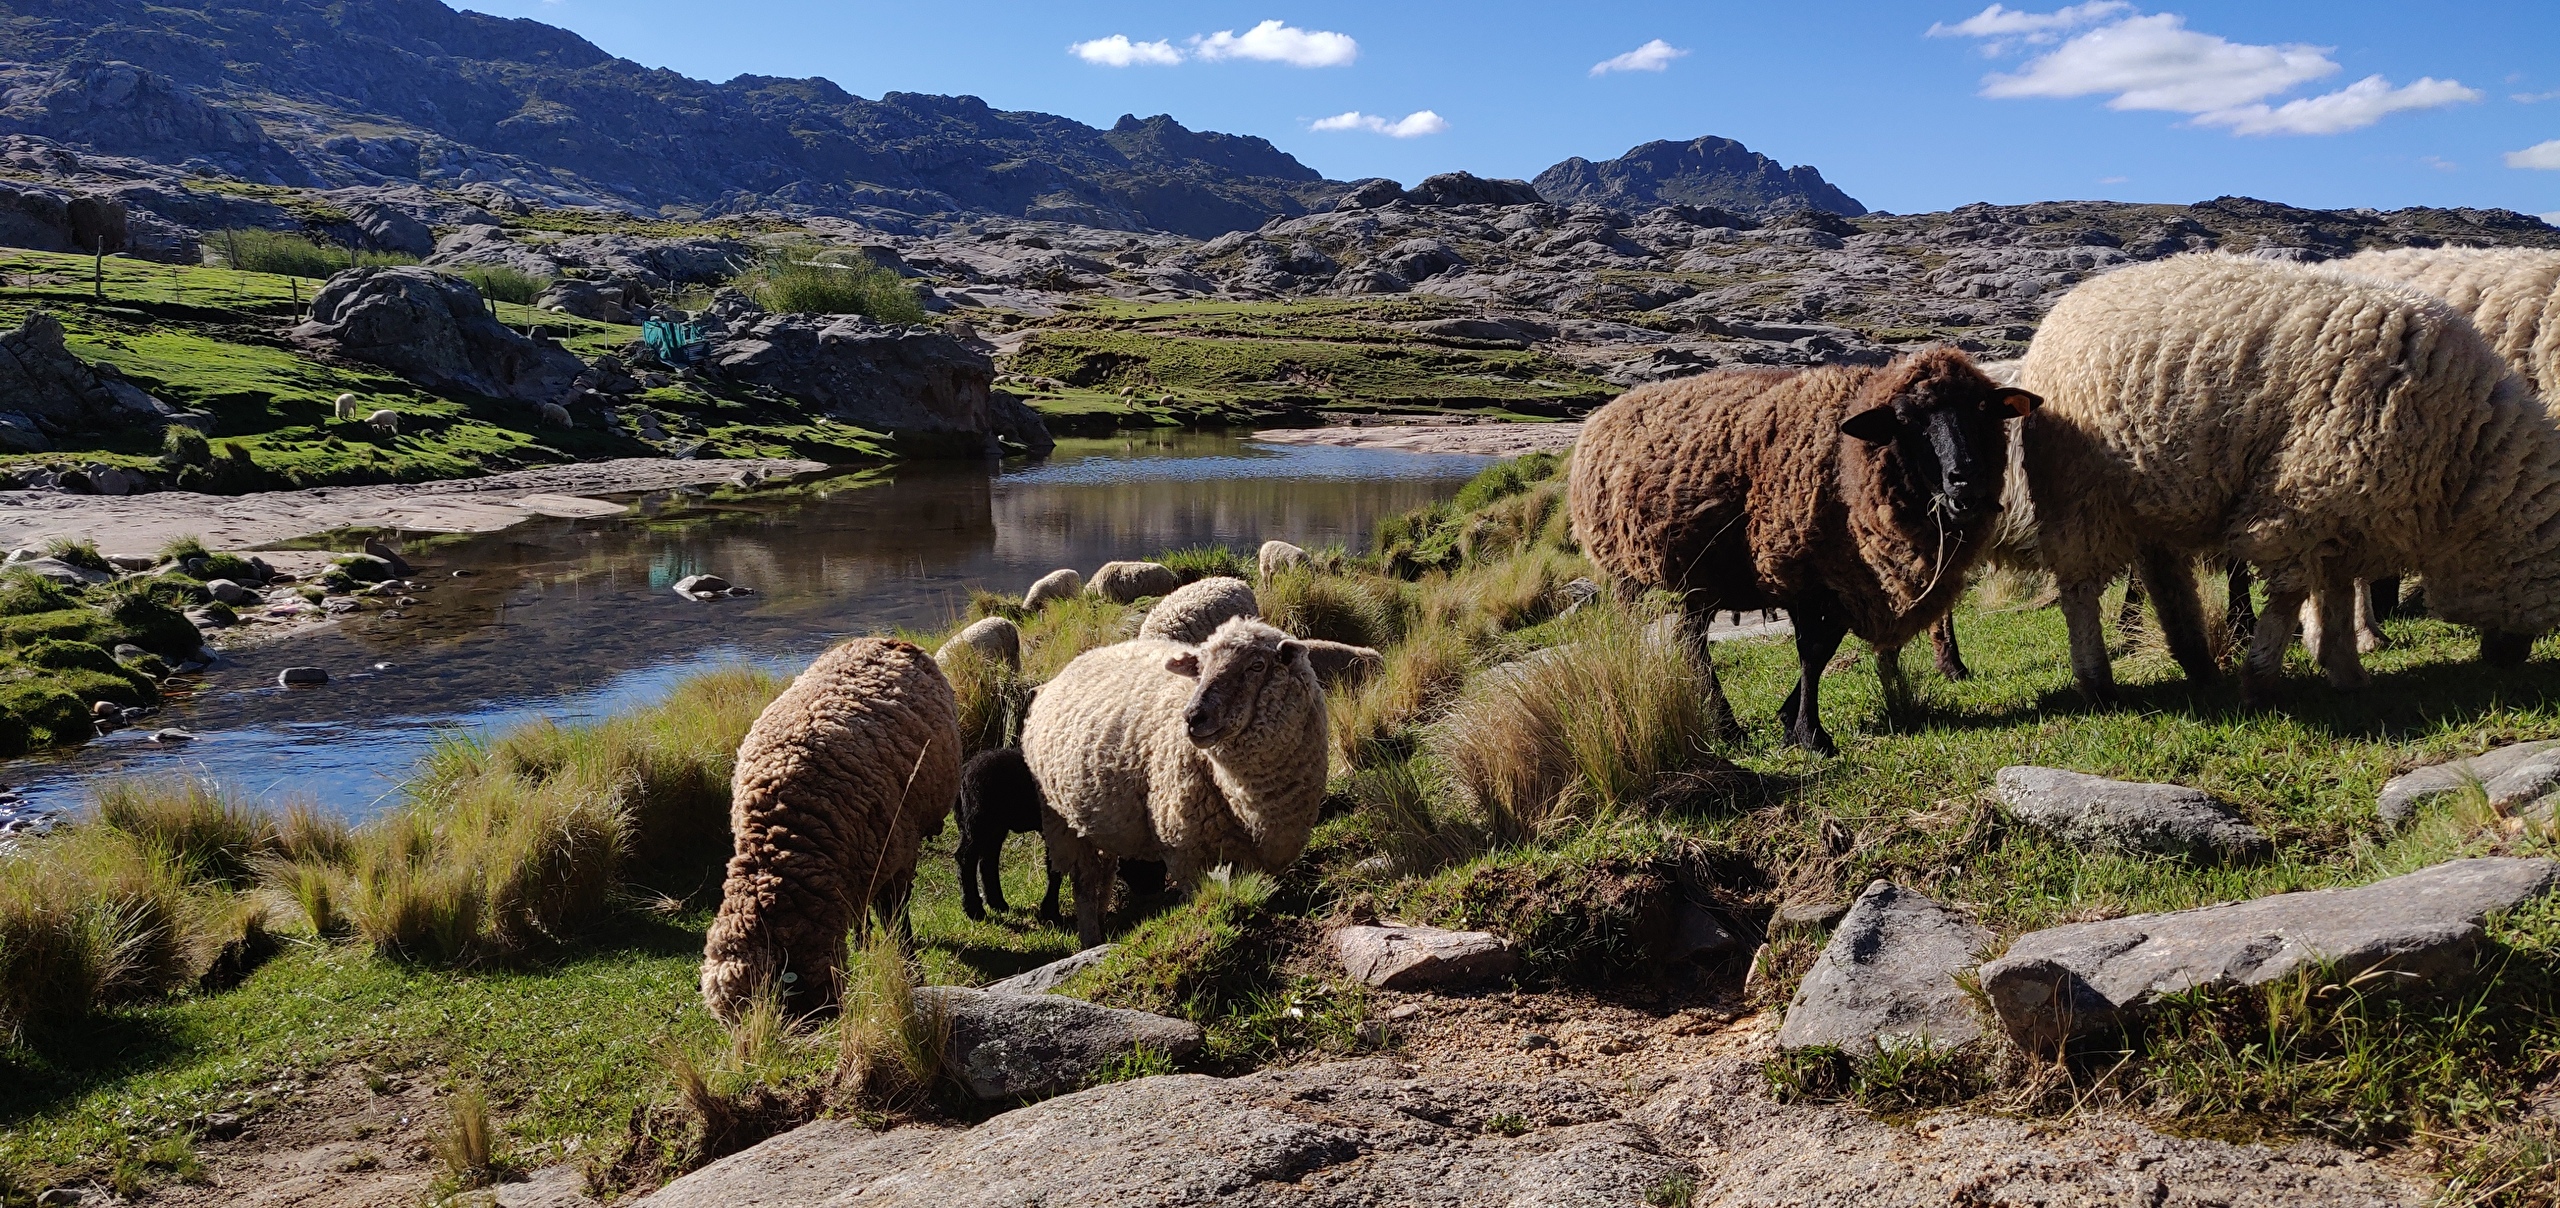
(388, 91)
(1708, 171)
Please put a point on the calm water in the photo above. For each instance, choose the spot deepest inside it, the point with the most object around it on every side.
(570, 619)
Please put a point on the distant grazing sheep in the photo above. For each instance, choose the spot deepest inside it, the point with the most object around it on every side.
(1130, 582)
(1277, 556)
(346, 407)
(2323, 427)
(837, 785)
(384, 422)
(1195, 611)
(1059, 584)
(1196, 756)
(557, 416)
(995, 637)
(1341, 664)
(1854, 498)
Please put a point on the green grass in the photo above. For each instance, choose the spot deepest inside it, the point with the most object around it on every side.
(500, 283)
(811, 281)
(253, 250)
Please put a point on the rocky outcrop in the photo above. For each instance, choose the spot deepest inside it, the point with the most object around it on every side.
(50, 221)
(1054, 974)
(434, 330)
(125, 109)
(2091, 977)
(1422, 958)
(1012, 1046)
(1707, 171)
(1888, 977)
(2514, 775)
(386, 228)
(916, 383)
(1468, 189)
(50, 393)
(2126, 816)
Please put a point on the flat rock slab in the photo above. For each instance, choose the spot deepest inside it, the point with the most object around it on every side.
(1009, 1046)
(1888, 976)
(2513, 775)
(1054, 974)
(1350, 1134)
(2089, 977)
(2128, 816)
(1422, 958)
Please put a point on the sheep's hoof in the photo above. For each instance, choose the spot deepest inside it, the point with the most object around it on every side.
(1819, 741)
(2259, 689)
(1954, 671)
(2499, 649)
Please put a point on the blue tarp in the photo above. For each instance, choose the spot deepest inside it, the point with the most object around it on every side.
(674, 343)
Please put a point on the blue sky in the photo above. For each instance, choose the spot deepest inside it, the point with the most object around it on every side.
(1908, 106)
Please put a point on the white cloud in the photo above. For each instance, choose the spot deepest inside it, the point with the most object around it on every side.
(1118, 51)
(1412, 125)
(2113, 180)
(2000, 22)
(2527, 98)
(2550, 219)
(2542, 156)
(2353, 107)
(1655, 55)
(1272, 42)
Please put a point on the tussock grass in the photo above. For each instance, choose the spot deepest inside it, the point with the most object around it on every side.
(1067, 628)
(1208, 562)
(500, 282)
(890, 1042)
(1360, 610)
(466, 1142)
(90, 918)
(203, 830)
(991, 695)
(1375, 722)
(815, 281)
(255, 250)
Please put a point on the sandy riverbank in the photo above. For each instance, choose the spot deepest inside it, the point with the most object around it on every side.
(141, 524)
(1492, 440)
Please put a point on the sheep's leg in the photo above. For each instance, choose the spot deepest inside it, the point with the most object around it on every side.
(2090, 663)
(991, 871)
(2129, 613)
(1896, 685)
(1092, 870)
(2337, 648)
(1049, 902)
(1695, 618)
(2386, 598)
(1942, 645)
(2264, 669)
(967, 859)
(1818, 636)
(2371, 606)
(2236, 610)
(2171, 584)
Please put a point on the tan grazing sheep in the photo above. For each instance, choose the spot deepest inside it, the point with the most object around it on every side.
(2512, 294)
(838, 783)
(346, 407)
(995, 637)
(1277, 556)
(557, 416)
(1195, 611)
(384, 422)
(1059, 584)
(1343, 665)
(1197, 756)
(2323, 427)
(1130, 582)
(1854, 498)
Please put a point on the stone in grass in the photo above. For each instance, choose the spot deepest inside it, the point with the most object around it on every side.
(2513, 775)
(292, 676)
(1888, 977)
(1422, 958)
(2128, 816)
(702, 587)
(1054, 974)
(2090, 977)
(1010, 1046)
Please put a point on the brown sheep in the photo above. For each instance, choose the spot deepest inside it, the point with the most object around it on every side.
(1855, 498)
(838, 783)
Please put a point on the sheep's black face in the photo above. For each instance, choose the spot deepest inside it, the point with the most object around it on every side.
(1232, 677)
(1950, 450)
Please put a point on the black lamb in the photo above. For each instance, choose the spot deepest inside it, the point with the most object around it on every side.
(999, 799)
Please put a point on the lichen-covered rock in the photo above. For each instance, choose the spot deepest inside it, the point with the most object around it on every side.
(1054, 974)
(1422, 958)
(2512, 775)
(913, 382)
(47, 393)
(434, 330)
(1888, 976)
(2125, 816)
(1010, 1046)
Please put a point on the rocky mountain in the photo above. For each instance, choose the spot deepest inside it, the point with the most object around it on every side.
(389, 92)
(1707, 171)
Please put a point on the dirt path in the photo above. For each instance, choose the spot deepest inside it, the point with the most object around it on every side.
(1494, 440)
(139, 525)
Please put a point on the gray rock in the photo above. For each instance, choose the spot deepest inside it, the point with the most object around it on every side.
(2088, 977)
(435, 330)
(1574, 595)
(127, 650)
(1698, 935)
(916, 383)
(60, 571)
(1422, 958)
(701, 587)
(1888, 977)
(291, 676)
(550, 1187)
(1821, 912)
(1054, 974)
(1349, 1134)
(386, 229)
(1010, 1046)
(585, 299)
(2122, 815)
(229, 592)
(2513, 775)
(56, 393)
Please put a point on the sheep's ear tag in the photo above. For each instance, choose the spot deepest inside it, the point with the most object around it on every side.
(2021, 401)
(1875, 425)
(1185, 663)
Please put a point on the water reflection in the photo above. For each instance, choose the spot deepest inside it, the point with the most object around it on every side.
(572, 618)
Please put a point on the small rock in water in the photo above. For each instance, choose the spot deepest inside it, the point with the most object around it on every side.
(106, 709)
(386, 666)
(341, 604)
(405, 602)
(702, 587)
(463, 574)
(127, 650)
(302, 675)
(229, 592)
(172, 734)
(393, 614)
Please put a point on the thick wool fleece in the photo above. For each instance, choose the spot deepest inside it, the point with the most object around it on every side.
(1106, 739)
(2322, 426)
(2511, 294)
(838, 783)
(997, 638)
(1738, 489)
(1194, 612)
(1277, 556)
(1130, 582)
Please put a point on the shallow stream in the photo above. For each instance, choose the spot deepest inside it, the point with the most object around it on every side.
(572, 619)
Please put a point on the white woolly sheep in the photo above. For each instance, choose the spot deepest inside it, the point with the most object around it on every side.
(2512, 294)
(346, 406)
(1277, 556)
(1196, 756)
(838, 784)
(556, 415)
(995, 637)
(1130, 582)
(1062, 584)
(1195, 611)
(384, 422)
(2323, 427)
(1341, 664)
